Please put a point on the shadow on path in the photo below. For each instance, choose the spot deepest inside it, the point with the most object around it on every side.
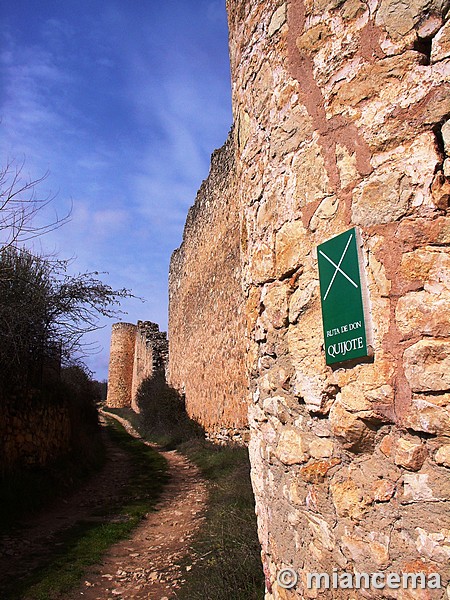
(145, 565)
(141, 566)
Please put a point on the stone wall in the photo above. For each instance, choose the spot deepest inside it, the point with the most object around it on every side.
(136, 352)
(32, 432)
(150, 356)
(121, 365)
(142, 364)
(341, 115)
(206, 308)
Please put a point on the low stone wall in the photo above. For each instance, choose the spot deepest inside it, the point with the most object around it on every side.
(33, 433)
(206, 307)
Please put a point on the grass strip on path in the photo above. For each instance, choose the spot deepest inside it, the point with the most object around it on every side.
(225, 563)
(85, 543)
(226, 559)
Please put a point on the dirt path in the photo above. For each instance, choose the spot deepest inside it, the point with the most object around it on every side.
(29, 546)
(144, 565)
(140, 567)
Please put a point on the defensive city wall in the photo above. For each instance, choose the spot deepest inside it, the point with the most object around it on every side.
(341, 119)
(206, 307)
(136, 353)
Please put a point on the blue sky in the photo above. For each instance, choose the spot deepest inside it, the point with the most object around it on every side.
(122, 102)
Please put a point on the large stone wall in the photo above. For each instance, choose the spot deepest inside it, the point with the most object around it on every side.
(341, 118)
(150, 356)
(206, 309)
(136, 353)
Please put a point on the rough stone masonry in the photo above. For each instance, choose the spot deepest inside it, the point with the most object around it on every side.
(341, 112)
(207, 307)
(136, 353)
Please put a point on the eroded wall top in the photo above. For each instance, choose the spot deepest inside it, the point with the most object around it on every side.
(206, 317)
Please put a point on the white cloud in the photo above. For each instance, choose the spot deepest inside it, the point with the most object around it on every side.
(125, 125)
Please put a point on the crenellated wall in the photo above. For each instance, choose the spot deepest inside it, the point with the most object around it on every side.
(206, 306)
(136, 352)
(341, 115)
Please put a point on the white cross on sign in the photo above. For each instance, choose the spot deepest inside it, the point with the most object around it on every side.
(338, 267)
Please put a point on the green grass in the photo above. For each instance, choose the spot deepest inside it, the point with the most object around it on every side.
(85, 543)
(226, 557)
(226, 560)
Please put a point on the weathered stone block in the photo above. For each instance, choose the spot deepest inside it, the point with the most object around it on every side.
(346, 164)
(312, 182)
(445, 129)
(350, 430)
(312, 40)
(383, 490)
(446, 167)
(374, 548)
(440, 46)
(410, 454)
(399, 18)
(278, 20)
(321, 448)
(442, 456)
(291, 449)
(421, 232)
(275, 300)
(427, 366)
(423, 313)
(309, 363)
(424, 487)
(350, 500)
(440, 191)
(382, 198)
(301, 300)
(315, 472)
(429, 413)
(295, 127)
(262, 262)
(353, 9)
(381, 78)
(291, 241)
(321, 531)
(326, 210)
(427, 265)
(433, 545)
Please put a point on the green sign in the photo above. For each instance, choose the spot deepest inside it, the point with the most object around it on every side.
(343, 300)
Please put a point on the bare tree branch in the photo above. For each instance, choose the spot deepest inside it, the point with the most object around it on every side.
(20, 205)
(44, 311)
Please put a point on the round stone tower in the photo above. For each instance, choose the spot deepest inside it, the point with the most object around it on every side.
(120, 376)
